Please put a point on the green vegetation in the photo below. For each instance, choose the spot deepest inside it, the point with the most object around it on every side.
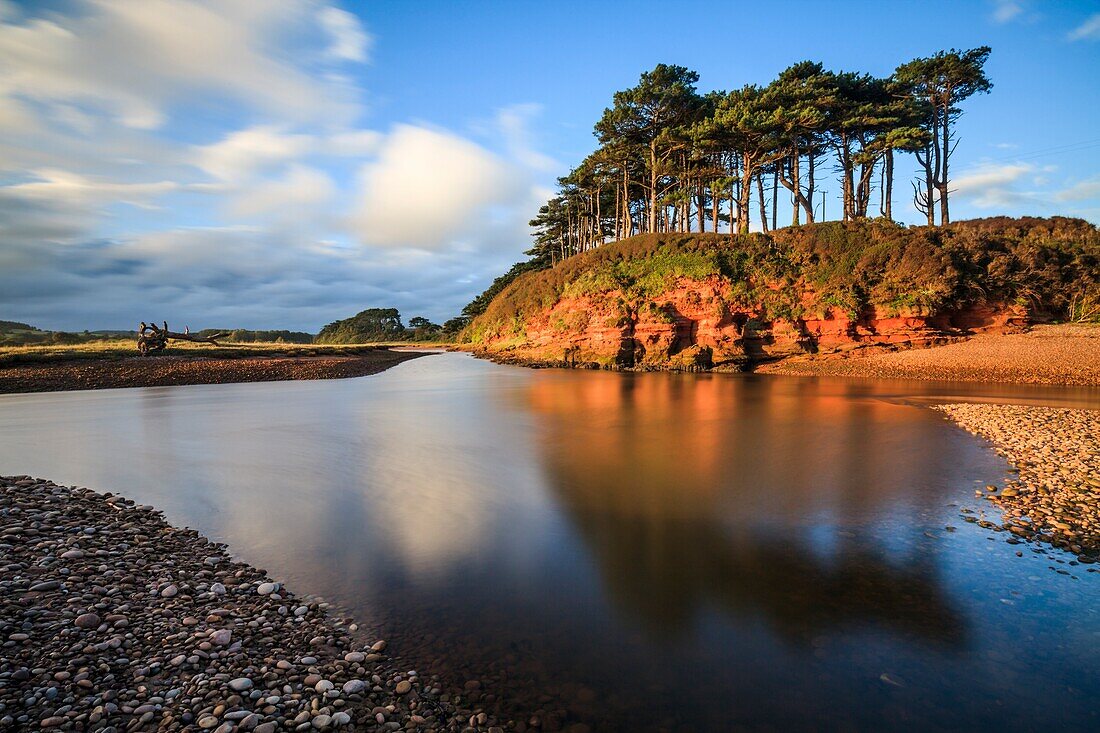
(1051, 266)
(245, 336)
(375, 325)
(383, 325)
(672, 159)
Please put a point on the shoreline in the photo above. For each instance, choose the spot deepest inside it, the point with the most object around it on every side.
(1059, 355)
(1054, 452)
(113, 619)
(172, 370)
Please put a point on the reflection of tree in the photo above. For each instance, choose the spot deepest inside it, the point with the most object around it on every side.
(662, 572)
(670, 481)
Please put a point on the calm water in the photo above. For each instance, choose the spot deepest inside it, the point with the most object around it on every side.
(694, 552)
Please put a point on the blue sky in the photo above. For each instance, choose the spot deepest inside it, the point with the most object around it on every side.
(281, 164)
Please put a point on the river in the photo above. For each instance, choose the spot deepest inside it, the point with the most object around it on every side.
(635, 552)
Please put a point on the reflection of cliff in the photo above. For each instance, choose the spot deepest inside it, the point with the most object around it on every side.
(696, 493)
(664, 572)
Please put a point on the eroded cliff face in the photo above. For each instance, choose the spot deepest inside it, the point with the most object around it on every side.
(699, 324)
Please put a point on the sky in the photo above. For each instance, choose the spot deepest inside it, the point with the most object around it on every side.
(285, 163)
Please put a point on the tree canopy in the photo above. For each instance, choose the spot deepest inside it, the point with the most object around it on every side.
(673, 159)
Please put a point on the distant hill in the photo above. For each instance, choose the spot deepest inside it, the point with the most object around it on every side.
(9, 326)
(702, 300)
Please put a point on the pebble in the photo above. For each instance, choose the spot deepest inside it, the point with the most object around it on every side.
(1054, 498)
(87, 620)
(193, 639)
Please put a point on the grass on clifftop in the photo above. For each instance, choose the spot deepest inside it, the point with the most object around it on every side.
(1051, 266)
(127, 348)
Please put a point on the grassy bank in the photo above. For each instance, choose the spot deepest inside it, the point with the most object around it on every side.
(114, 350)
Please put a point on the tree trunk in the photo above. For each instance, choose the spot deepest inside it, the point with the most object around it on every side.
(796, 182)
(744, 197)
(887, 209)
(653, 186)
(714, 197)
(808, 200)
(763, 201)
(775, 196)
(945, 215)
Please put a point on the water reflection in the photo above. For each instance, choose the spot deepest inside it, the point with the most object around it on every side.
(638, 552)
(711, 492)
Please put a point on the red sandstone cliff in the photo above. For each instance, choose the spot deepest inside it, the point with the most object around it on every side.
(714, 301)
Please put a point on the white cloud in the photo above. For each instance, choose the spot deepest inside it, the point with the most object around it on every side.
(352, 143)
(254, 216)
(1088, 30)
(1080, 191)
(297, 196)
(429, 188)
(350, 42)
(989, 175)
(138, 60)
(513, 123)
(1006, 10)
(992, 186)
(246, 153)
(73, 188)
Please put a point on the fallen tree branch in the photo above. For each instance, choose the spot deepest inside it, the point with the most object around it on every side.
(153, 338)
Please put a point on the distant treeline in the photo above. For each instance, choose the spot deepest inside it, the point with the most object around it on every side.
(369, 326)
(383, 325)
(244, 336)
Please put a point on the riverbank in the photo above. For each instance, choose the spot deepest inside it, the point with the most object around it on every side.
(112, 619)
(1055, 498)
(1063, 354)
(192, 367)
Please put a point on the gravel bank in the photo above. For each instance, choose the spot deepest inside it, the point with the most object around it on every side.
(159, 371)
(1066, 354)
(1056, 451)
(113, 620)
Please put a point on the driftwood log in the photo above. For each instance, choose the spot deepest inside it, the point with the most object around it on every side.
(153, 338)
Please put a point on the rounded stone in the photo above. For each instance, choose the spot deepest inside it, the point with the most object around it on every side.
(87, 621)
(352, 687)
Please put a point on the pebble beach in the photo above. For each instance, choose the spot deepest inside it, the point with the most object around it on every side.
(1055, 452)
(111, 619)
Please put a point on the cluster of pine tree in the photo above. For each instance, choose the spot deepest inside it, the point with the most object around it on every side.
(672, 159)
